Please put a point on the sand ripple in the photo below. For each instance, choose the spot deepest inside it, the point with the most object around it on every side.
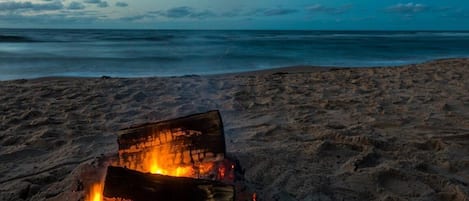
(398, 133)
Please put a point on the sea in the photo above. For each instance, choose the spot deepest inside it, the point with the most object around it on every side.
(32, 53)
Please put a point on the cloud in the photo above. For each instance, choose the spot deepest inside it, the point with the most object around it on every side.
(99, 3)
(184, 12)
(279, 11)
(92, 1)
(21, 6)
(318, 8)
(60, 18)
(457, 14)
(134, 18)
(192, 13)
(232, 13)
(76, 6)
(103, 4)
(408, 8)
(121, 4)
(203, 14)
(263, 12)
(178, 12)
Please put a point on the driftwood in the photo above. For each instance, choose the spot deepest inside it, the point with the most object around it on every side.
(122, 183)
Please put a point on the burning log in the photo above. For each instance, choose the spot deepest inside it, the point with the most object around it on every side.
(187, 146)
(122, 183)
(179, 159)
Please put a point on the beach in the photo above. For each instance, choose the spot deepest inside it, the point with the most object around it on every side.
(303, 133)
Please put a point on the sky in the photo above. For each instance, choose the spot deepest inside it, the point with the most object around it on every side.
(237, 14)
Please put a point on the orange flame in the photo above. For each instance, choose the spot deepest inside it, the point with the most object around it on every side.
(165, 155)
(95, 193)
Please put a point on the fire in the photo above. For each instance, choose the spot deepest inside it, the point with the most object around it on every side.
(165, 154)
(95, 193)
(183, 147)
(177, 172)
(163, 163)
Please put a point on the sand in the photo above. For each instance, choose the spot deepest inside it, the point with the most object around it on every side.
(391, 133)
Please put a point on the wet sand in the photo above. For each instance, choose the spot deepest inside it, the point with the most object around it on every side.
(391, 133)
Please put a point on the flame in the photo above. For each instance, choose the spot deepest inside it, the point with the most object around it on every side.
(95, 193)
(177, 171)
(166, 155)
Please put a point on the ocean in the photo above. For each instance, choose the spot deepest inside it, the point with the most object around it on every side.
(32, 53)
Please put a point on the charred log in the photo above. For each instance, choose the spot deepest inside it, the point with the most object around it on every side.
(193, 139)
(122, 183)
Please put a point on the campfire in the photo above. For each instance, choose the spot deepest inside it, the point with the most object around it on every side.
(178, 159)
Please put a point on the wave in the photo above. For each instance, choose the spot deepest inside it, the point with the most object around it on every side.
(15, 39)
(138, 38)
(131, 52)
(306, 36)
(31, 59)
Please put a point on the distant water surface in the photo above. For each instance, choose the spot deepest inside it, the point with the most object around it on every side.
(30, 53)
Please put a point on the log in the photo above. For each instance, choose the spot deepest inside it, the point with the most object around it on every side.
(186, 141)
(122, 183)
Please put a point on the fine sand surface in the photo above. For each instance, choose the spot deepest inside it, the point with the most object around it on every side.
(394, 133)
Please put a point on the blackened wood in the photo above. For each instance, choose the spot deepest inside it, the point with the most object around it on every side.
(200, 134)
(137, 186)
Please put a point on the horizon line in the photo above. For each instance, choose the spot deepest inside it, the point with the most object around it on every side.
(177, 29)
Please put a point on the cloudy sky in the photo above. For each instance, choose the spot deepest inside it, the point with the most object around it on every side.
(237, 14)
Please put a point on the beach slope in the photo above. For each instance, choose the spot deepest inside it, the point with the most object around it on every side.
(390, 133)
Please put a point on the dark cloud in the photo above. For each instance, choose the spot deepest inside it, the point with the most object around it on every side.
(103, 4)
(232, 13)
(254, 12)
(15, 6)
(49, 13)
(133, 18)
(408, 8)
(279, 11)
(99, 3)
(121, 4)
(61, 18)
(76, 6)
(177, 12)
(203, 14)
(184, 12)
(92, 1)
(318, 8)
(260, 12)
(192, 13)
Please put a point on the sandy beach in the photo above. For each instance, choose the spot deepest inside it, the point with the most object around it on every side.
(303, 133)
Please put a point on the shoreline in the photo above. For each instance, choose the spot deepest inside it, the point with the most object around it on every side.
(386, 133)
(287, 69)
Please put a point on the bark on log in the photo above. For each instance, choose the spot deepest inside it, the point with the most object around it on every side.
(137, 186)
(199, 137)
